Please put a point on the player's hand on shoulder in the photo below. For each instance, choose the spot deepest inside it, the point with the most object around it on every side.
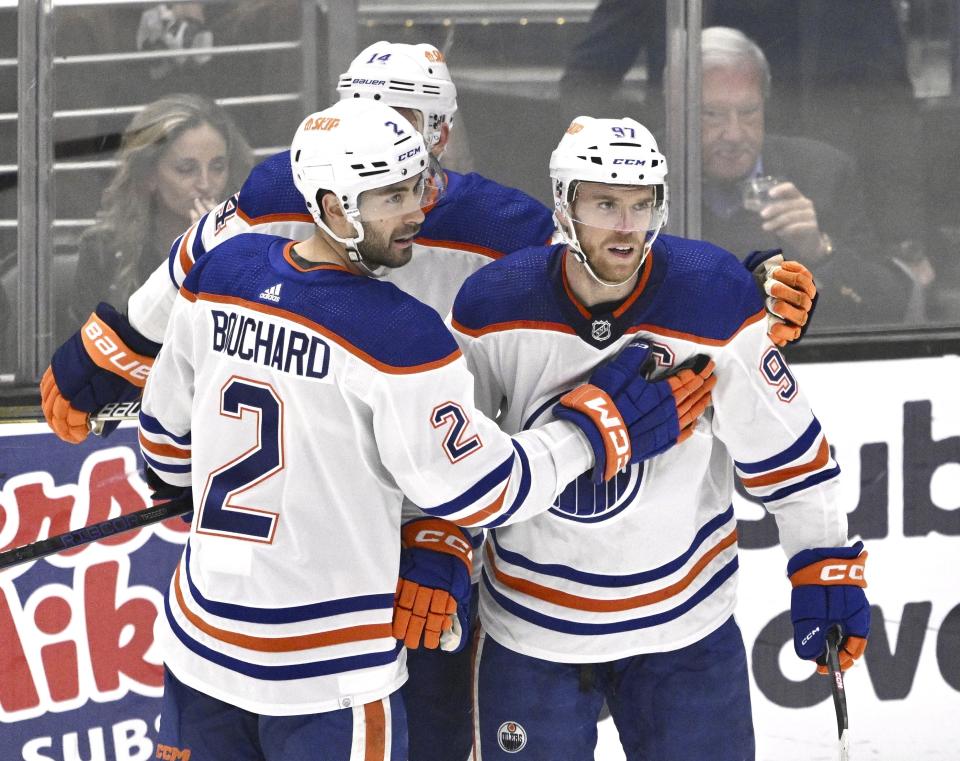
(628, 418)
(105, 361)
(828, 585)
(789, 293)
(432, 602)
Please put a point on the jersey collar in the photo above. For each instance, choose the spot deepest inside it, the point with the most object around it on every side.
(602, 325)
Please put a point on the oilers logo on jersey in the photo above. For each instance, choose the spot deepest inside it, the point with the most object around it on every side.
(583, 500)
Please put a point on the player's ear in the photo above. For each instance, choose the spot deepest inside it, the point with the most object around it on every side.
(330, 207)
(333, 214)
(441, 145)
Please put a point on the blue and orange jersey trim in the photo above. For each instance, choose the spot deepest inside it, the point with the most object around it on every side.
(805, 463)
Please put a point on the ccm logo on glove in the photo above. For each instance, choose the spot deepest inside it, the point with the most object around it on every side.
(433, 536)
(841, 573)
(596, 404)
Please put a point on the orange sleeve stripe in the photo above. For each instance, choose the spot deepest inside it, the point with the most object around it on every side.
(785, 474)
(164, 450)
(497, 327)
(188, 295)
(186, 263)
(593, 605)
(375, 734)
(457, 245)
(481, 515)
(283, 644)
(336, 338)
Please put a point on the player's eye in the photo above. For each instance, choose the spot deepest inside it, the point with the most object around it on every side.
(218, 165)
(186, 168)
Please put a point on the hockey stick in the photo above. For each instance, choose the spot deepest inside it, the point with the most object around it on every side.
(836, 685)
(113, 411)
(69, 540)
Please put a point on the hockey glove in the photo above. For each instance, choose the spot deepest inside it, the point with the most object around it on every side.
(790, 295)
(627, 418)
(432, 603)
(828, 590)
(105, 361)
(161, 491)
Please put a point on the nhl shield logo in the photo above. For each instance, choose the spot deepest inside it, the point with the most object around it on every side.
(600, 330)
(511, 737)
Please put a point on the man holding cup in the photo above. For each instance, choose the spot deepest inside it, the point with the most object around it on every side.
(764, 191)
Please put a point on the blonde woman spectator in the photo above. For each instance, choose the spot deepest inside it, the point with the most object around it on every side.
(178, 156)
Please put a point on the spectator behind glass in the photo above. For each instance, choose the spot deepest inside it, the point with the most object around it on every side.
(177, 158)
(839, 72)
(815, 209)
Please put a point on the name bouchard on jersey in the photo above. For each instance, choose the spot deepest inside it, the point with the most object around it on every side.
(265, 343)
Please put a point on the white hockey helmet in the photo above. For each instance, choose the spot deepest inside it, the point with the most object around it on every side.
(613, 152)
(404, 76)
(352, 147)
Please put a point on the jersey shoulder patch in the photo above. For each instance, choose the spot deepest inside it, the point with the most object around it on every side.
(487, 217)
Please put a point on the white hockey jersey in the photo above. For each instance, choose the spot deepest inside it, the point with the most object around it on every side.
(647, 562)
(301, 405)
(476, 221)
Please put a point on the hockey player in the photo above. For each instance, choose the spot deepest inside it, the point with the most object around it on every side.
(277, 638)
(474, 222)
(625, 592)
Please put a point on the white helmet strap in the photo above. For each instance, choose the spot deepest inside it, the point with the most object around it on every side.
(351, 244)
(568, 233)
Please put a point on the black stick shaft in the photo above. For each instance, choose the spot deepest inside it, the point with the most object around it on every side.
(92, 533)
(836, 678)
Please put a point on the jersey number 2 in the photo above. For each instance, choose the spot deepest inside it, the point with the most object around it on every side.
(218, 514)
(455, 445)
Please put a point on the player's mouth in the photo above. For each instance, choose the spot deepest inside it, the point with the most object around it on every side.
(404, 242)
(621, 251)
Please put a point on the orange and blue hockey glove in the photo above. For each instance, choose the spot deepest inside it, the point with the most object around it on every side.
(628, 418)
(790, 294)
(432, 603)
(828, 585)
(105, 361)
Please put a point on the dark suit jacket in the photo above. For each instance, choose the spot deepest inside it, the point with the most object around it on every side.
(857, 285)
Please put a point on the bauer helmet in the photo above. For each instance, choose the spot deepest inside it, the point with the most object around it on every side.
(404, 76)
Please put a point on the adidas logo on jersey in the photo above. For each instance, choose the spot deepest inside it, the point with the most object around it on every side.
(272, 293)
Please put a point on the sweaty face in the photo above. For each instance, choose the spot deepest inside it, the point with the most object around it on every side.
(731, 122)
(391, 216)
(611, 222)
(194, 166)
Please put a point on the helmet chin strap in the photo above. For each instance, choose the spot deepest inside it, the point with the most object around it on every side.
(351, 246)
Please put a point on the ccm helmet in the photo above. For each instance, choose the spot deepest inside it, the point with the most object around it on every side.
(613, 152)
(349, 148)
(404, 76)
